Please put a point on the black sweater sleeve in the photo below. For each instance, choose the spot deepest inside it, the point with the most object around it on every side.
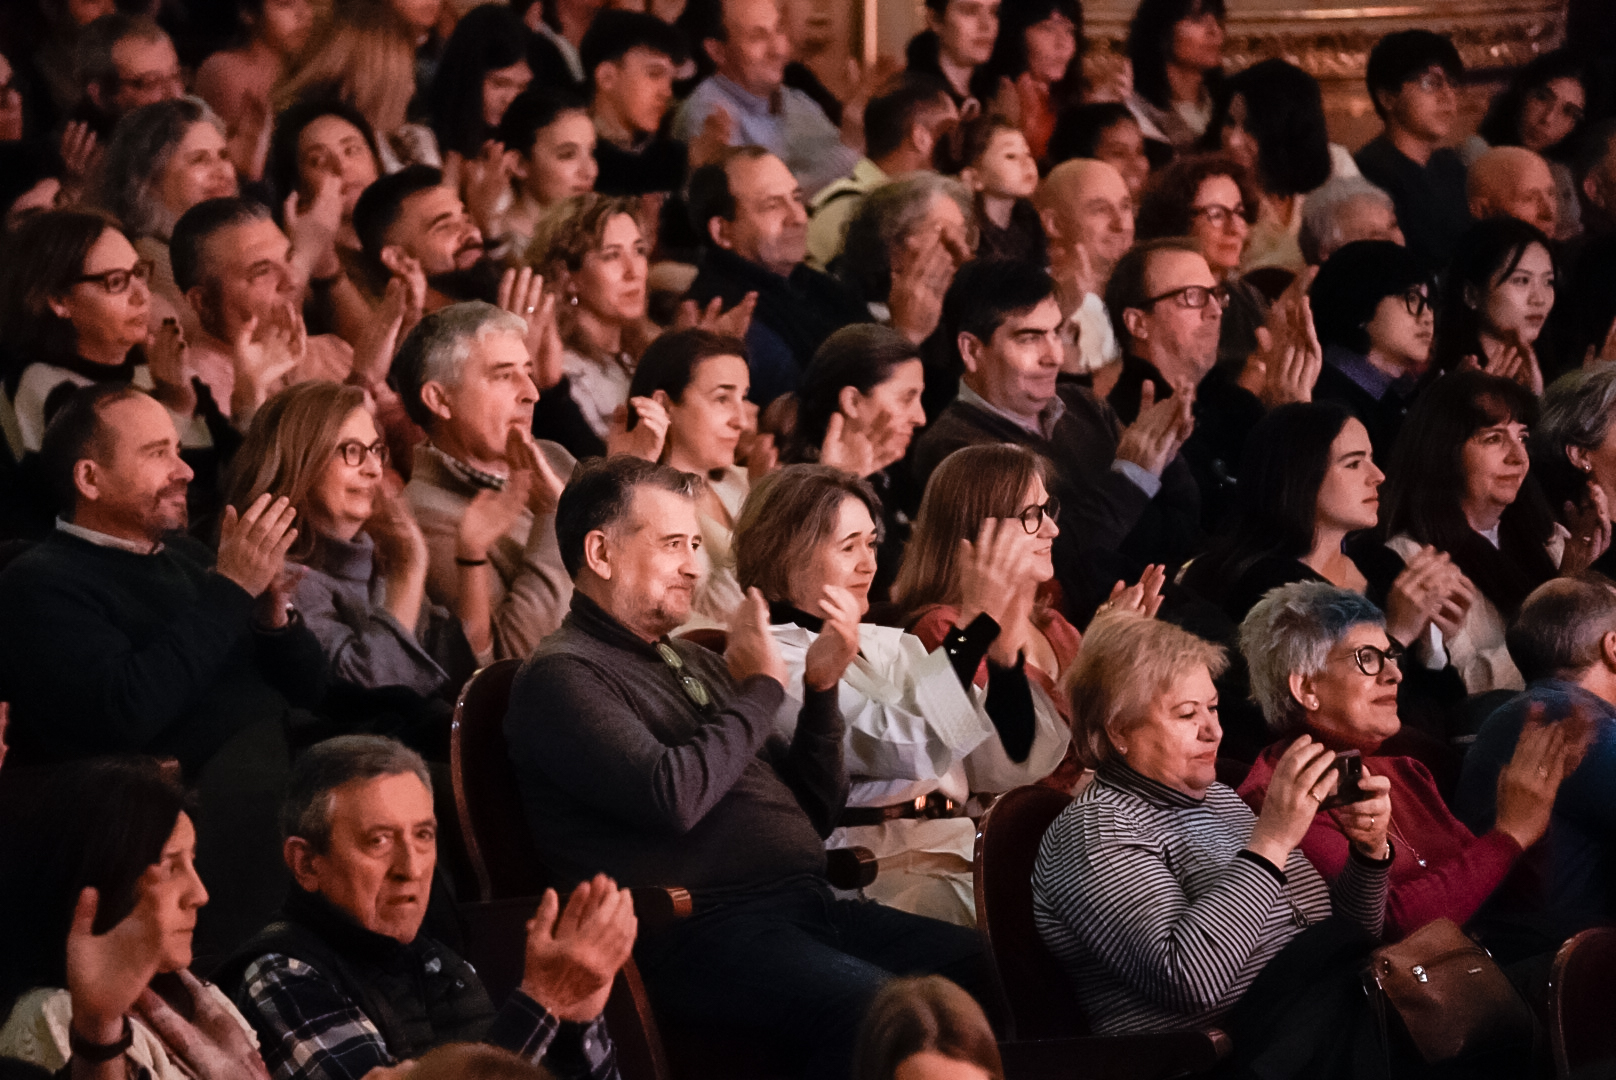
(1009, 701)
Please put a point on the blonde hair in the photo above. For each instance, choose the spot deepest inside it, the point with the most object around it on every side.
(572, 228)
(292, 440)
(1127, 661)
(364, 57)
(970, 486)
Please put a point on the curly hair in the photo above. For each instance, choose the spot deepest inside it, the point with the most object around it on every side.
(1165, 204)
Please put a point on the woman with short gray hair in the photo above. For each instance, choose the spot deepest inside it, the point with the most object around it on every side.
(1323, 668)
(903, 246)
(1574, 447)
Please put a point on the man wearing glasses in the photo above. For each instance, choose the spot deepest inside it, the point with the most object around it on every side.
(125, 61)
(657, 762)
(1413, 79)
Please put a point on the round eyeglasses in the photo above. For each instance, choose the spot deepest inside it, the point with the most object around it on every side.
(353, 452)
(1032, 518)
(1416, 301)
(116, 282)
(1372, 661)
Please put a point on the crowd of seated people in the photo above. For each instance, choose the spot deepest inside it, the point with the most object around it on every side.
(818, 452)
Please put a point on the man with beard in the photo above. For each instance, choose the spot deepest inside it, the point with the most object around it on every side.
(411, 225)
(122, 635)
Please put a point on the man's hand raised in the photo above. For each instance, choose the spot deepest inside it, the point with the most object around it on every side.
(572, 957)
(1158, 432)
(751, 648)
(252, 545)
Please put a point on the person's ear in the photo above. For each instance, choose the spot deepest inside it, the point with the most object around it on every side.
(718, 228)
(715, 50)
(971, 179)
(87, 479)
(1303, 690)
(849, 401)
(920, 137)
(1051, 223)
(1138, 327)
(392, 256)
(1386, 100)
(606, 76)
(435, 396)
(97, 95)
(1472, 299)
(1479, 207)
(58, 306)
(934, 21)
(517, 163)
(197, 297)
(300, 860)
(661, 398)
(598, 554)
(1579, 459)
(970, 350)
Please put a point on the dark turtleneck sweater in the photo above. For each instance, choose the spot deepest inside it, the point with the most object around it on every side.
(622, 772)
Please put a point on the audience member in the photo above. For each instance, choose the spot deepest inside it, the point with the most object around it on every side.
(807, 539)
(482, 69)
(958, 39)
(558, 29)
(1176, 48)
(482, 490)
(409, 223)
(1495, 301)
(1413, 78)
(1564, 640)
(748, 211)
(905, 131)
(903, 246)
(1039, 53)
(1343, 210)
(1512, 181)
(981, 501)
(660, 762)
(1088, 217)
(1270, 119)
(124, 61)
(1573, 452)
(124, 635)
(858, 409)
(238, 83)
(744, 39)
(1542, 110)
(1374, 316)
(1001, 175)
(926, 1029)
(692, 385)
(1596, 178)
(1105, 131)
(630, 58)
(343, 981)
(100, 896)
(553, 144)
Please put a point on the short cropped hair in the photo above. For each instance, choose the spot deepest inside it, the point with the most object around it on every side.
(1397, 58)
(599, 495)
(1291, 631)
(889, 117)
(787, 514)
(76, 432)
(709, 191)
(201, 221)
(380, 205)
(437, 347)
(1126, 289)
(613, 33)
(1561, 627)
(326, 766)
(919, 1015)
(1125, 662)
(986, 292)
(94, 62)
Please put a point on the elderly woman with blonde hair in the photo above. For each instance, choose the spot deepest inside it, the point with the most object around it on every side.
(1169, 903)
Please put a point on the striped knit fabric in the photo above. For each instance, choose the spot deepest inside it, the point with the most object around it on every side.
(1160, 919)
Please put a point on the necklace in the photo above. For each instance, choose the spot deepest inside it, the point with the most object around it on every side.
(1402, 841)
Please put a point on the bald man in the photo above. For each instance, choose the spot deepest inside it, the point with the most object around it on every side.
(1087, 212)
(1512, 181)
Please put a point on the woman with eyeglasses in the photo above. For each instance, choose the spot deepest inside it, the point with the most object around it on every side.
(361, 556)
(1496, 297)
(1210, 199)
(1323, 665)
(75, 308)
(1373, 317)
(979, 497)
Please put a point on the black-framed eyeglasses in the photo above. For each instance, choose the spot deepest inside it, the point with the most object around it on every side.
(1372, 661)
(1194, 297)
(694, 688)
(353, 452)
(1032, 518)
(116, 282)
(1416, 301)
(1219, 216)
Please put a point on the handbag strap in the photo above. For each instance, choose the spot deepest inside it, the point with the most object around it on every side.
(1377, 1002)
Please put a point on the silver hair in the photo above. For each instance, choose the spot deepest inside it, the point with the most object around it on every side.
(1291, 631)
(1321, 221)
(141, 148)
(326, 766)
(437, 348)
(1578, 410)
(885, 220)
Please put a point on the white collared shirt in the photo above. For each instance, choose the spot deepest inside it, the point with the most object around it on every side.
(101, 539)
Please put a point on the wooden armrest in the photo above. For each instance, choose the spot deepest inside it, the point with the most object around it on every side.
(656, 906)
(851, 868)
(1115, 1057)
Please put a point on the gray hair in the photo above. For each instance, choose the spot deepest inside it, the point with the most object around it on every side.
(140, 151)
(885, 219)
(1578, 410)
(93, 58)
(326, 766)
(1561, 627)
(1321, 214)
(436, 350)
(1291, 631)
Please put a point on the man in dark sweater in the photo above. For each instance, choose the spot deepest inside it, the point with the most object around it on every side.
(629, 58)
(1413, 78)
(1121, 489)
(658, 763)
(749, 211)
(122, 635)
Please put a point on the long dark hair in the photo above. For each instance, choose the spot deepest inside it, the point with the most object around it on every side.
(1150, 43)
(863, 356)
(485, 39)
(1275, 505)
(1425, 481)
(1285, 115)
(283, 169)
(44, 257)
(93, 824)
(1502, 124)
(1009, 57)
(1487, 252)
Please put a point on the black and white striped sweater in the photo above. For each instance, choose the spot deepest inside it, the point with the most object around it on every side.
(1158, 915)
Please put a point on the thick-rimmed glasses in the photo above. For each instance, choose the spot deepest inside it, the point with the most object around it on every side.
(1219, 216)
(116, 282)
(353, 453)
(1194, 297)
(1416, 301)
(1372, 661)
(1032, 518)
(694, 688)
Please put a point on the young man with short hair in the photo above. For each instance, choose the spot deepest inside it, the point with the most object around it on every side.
(629, 58)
